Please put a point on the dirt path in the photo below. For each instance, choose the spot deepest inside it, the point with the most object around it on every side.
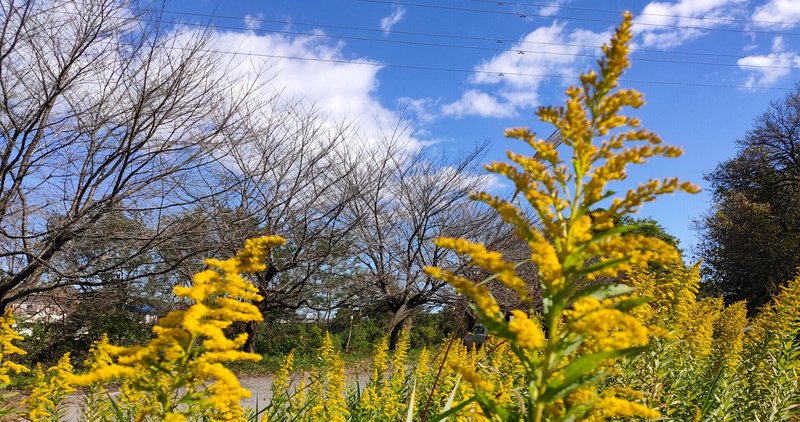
(259, 387)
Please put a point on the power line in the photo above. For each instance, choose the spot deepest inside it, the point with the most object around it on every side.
(457, 70)
(663, 15)
(431, 34)
(526, 15)
(512, 50)
(468, 47)
(470, 71)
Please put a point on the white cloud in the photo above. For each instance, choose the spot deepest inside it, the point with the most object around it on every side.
(552, 7)
(680, 27)
(389, 21)
(778, 61)
(344, 91)
(421, 109)
(558, 52)
(476, 103)
(775, 11)
(253, 22)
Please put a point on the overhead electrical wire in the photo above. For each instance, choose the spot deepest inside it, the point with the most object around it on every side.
(540, 15)
(451, 36)
(468, 47)
(498, 73)
(512, 50)
(468, 71)
(424, 34)
(661, 15)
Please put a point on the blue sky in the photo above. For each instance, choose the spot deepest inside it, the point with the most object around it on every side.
(708, 68)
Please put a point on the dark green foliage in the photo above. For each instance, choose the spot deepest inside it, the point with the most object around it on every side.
(112, 310)
(751, 236)
(648, 227)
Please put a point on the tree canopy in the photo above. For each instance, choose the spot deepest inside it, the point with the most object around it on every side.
(751, 236)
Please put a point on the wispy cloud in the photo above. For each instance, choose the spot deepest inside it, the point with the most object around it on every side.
(551, 8)
(341, 91)
(477, 103)
(398, 12)
(773, 66)
(678, 21)
(421, 109)
(547, 51)
(777, 14)
(253, 22)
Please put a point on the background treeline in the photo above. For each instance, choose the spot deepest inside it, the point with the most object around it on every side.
(130, 151)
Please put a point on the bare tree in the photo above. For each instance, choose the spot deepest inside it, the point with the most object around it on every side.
(105, 115)
(414, 197)
(292, 172)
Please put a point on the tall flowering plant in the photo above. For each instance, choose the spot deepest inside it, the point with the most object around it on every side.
(585, 324)
(181, 374)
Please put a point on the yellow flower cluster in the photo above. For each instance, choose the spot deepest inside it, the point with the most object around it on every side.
(96, 403)
(698, 333)
(281, 405)
(422, 364)
(330, 386)
(729, 335)
(605, 327)
(8, 349)
(574, 241)
(778, 321)
(280, 384)
(49, 389)
(528, 333)
(615, 407)
(469, 375)
(400, 359)
(490, 261)
(383, 396)
(478, 293)
(190, 347)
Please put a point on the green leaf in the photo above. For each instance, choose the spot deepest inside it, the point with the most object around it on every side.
(582, 367)
(452, 396)
(630, 303)
(491, 408)
(118, 414)
(603, 291)
(494, 276)
(453, 411)
(410, 413)
(565, 347)
(602, 265)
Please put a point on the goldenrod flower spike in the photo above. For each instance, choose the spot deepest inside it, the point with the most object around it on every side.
(50, 389)
(574, 243)
(8, 349)
(190, 348)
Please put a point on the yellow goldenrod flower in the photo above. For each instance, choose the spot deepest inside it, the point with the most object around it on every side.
(729, 335)
(400, 359)
(191, 345)
(478, 293)
(574, 242)
(331, 385)
(529, 335)
(49, 390)
(618, 407)
(469, 375)
(7, 348)
(490, 261)
(699, 332)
